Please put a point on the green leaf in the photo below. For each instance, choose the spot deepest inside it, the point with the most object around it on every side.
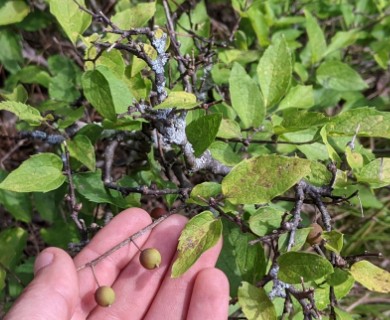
(246, 97)
(63, 85)
(265, 220)
(11, 50)
(200, 234)
(229, 129)
(238, 260)
(255, 303)
(299, 240)
(334, 241)
(371, 123)
(222, 152)
(40, 173)
(371, 276)
(341, 40)
(376, 173)
(296, 120)
(339, 76)
(331, 151)
(107, 94)
(82, 149)
(12, 243)
(262, 178)
(72, 19)
(202, 132)
(341, 281)
(19, 94)
(16, 203)
(178, 99)
(317, 42)
(274, 72)
(23, 112)
(91, 186)
(297, 265)
(13, 11)
(135, 17)
(300, 97)
(205, 191)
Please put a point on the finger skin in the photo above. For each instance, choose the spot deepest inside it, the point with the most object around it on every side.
(53, 293)
(173, 298)
(121, 227)
(136, 286)
(210, 296)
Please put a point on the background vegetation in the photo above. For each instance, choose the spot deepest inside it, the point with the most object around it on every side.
(254, 118)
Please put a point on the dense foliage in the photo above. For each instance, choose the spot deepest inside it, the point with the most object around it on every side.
(265, 122)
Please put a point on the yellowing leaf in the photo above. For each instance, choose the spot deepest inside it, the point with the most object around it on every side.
(371, 276)
(200, 234)
(262, 178)
(178, 100)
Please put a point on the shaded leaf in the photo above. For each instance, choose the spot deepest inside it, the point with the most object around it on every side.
(202, 132)
(255, 303)
(265, 220)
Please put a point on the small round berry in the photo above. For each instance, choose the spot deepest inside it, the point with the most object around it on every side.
(315, 235)
(105, 296)
(158, 212)
(150, 258)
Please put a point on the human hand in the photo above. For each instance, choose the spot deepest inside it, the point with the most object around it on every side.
(59, 292)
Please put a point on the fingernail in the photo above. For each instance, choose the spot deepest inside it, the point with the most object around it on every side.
(43, 260)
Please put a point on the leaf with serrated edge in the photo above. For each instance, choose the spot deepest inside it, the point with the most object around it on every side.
(200, 234)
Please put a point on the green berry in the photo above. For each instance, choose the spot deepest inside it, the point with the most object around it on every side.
(150, 258)
(315, 235)
(105, 296)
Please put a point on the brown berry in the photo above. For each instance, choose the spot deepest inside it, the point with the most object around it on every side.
(315, 235)
(105, 296)
(158, 212)
(150, 258)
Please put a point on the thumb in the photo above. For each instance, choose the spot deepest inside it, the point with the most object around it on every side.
(54, 292)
